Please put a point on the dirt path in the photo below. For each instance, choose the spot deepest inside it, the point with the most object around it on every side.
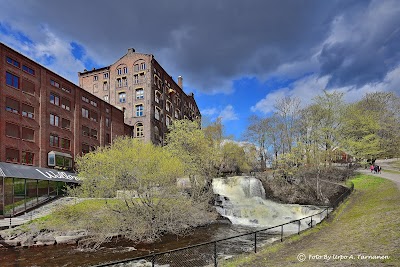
(390, 176)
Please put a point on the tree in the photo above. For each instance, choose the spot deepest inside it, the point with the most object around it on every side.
(256, 133)
(372, 125)
(233, 158)
(143, 177)
(187, 142)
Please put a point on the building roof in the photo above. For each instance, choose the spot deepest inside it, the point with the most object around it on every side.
(29, 172)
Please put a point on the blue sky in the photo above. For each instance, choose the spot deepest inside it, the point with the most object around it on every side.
(237, 57)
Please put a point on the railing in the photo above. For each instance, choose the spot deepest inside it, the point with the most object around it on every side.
(208, 254)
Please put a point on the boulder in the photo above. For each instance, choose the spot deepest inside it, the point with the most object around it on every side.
(45, 240)
(12, 242)
(67, 239)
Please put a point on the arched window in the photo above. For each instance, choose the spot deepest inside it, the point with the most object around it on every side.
(139, 130)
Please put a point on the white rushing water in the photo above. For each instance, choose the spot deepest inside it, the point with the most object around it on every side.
(242, 200)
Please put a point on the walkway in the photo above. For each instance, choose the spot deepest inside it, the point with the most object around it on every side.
(37, 213)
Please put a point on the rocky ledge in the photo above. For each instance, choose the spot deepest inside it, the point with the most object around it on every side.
(10, 238)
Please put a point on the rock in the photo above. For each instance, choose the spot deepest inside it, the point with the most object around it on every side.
(27, 241)
(12, 242)
(45, 240)
(66, 239)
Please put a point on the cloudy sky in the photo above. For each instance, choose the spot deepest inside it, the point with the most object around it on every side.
(237, 57)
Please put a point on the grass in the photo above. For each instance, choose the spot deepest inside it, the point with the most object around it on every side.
(366, 224)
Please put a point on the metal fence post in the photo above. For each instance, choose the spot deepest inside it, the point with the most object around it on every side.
(299, 227)
(215, 255)
(327, 213)
(255, 242)
(282, 233)
(311, 221)
(153, 260)
(10, 221)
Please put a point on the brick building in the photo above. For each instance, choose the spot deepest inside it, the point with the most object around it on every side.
(149, 97)
(45, 120)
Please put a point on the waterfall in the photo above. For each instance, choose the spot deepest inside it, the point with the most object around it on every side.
(242, 200)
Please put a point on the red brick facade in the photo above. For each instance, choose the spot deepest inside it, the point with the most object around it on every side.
(150, 98)
(42, 112)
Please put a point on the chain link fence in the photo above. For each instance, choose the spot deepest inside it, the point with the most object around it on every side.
(210, 253)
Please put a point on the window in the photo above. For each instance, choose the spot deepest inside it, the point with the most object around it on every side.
(54, 99)
(85, 113)
(54, 140)
(66, 90)
(139, 130)
(66, 124)
(54, 83)
(85, 131)
(12, 130)
(54, 120)
(105, 85)
(12, 155)
(157, 96)
(142, 77)
(107, 122)
(12, 80)
(108, 138)
(168, 120)
(28, 87)
(28, 70)
(93, 116)
(106, 98)
(168, 106)
(105, 75)
(157, 112)
(139, 110)
(135, 78)
(28, 134)
(95, 78)
(93, 103)
(107, 110)
(13, 62)
(125, 70)
(85, 148)
(119, 82)
(28, 111)
(93, 133)
(139, 93)
(85, 99)
(177, 113)
(143, 66)
(95, 90)
(12, 105)
(124, 81)
(156, 133)
(27, 158)
(65, 143)
(136, 67)
(65, 104)
(122, 97)
(119, 71)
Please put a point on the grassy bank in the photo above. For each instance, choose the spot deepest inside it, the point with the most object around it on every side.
(367, 224)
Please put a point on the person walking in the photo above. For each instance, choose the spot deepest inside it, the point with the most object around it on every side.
(371, 168)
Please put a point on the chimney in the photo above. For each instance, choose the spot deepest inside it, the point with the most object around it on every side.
(131, 50)
(180, 82)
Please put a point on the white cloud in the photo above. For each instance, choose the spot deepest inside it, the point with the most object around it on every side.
(308, 87)
(226, 114)
(209, 111)
(51, 51)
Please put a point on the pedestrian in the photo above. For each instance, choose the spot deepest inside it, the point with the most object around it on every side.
(376, 169)
(371, 168)
(379, 169)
